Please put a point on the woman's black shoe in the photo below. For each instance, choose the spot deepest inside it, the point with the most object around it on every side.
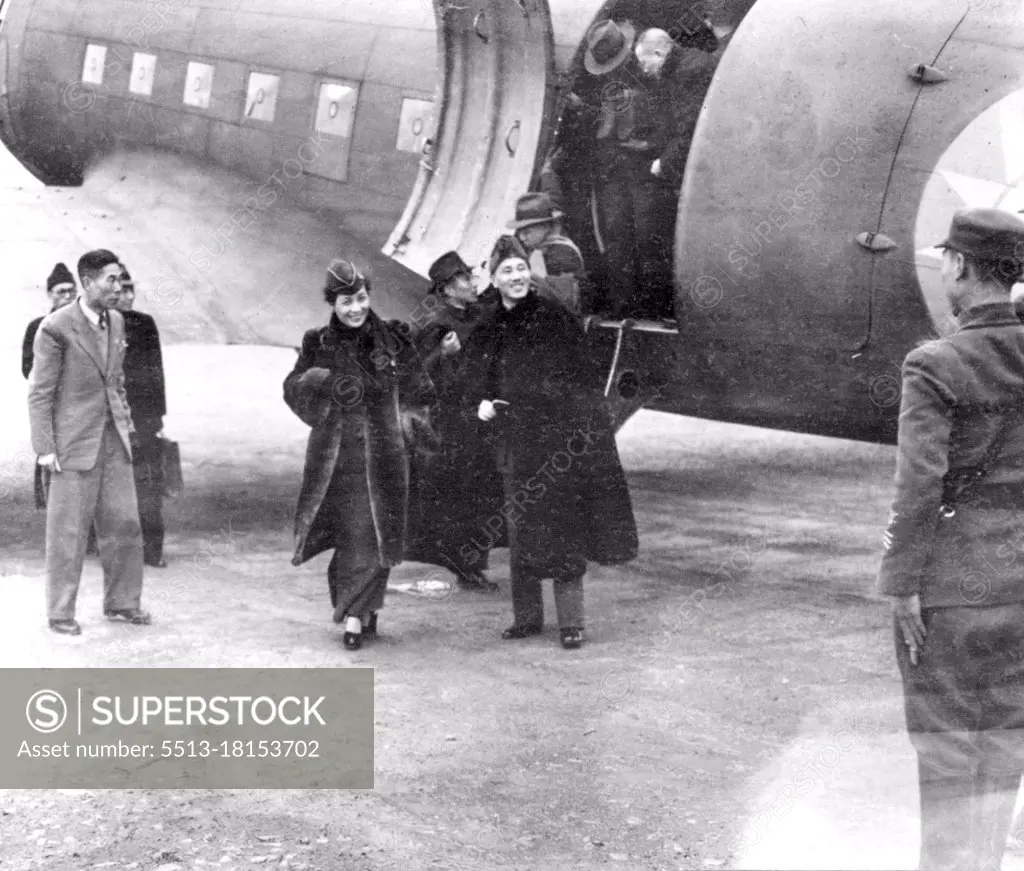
(352, 640)
(514, 631)
(572, 637)
(370, 627)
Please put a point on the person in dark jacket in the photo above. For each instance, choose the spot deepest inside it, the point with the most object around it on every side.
(360, 384)
(532, 380)
(952, 564)
(640, 154)
(447, 491)
(147, 399)
(61, 289)
(555, 260)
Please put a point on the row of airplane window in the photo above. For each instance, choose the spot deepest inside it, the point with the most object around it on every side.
(336, 103)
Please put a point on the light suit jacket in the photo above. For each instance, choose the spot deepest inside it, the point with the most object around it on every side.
(71, 393)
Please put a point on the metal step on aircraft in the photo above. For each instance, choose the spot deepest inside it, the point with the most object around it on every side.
(832, 147)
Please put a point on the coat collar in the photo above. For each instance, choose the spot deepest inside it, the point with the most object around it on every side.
(989, 314)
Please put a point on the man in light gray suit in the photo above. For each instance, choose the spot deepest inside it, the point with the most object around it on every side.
(82, 432)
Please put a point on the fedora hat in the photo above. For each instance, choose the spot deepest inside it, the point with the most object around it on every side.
(535, 208)
(445, 268)
(608, 45)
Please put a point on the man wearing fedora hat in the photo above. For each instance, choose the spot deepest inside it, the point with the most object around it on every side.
(446, 498)
(952, 564)
(555, 260)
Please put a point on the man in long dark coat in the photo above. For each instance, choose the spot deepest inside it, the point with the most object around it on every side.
(147, 398)
(954, 551)
(453, 491)
(61, 289)
(532, 380)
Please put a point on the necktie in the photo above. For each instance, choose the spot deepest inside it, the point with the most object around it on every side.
(103, 320)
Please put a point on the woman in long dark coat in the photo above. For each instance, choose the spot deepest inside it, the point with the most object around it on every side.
(566, 499)
(360, 385)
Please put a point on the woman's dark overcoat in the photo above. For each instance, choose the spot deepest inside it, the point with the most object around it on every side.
(374, 385)
(456, 489)
(569, 491)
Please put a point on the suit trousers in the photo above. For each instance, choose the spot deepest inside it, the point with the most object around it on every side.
(965, 715)
(525, 578)
(105, 495)
(638, 216)
(148, 469)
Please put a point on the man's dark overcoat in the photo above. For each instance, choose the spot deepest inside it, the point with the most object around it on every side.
(456, 489)
(570, 491)
(144, 372)
(375, 385)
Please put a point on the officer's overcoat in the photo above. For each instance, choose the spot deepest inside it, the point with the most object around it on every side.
(957, 392)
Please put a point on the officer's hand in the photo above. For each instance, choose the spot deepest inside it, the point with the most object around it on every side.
(486, 410)
(907, 611)
(656, 168)
(49, 461)
(450, 344)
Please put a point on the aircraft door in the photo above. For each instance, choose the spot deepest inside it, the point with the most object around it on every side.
(497, 63)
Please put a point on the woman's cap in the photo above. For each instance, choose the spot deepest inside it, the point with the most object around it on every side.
(343, 277)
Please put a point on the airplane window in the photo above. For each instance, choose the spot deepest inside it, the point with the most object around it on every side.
(261, 101)
(415, 126)
(143, 70)
(92, 69)
(198, 85)
(336, 108)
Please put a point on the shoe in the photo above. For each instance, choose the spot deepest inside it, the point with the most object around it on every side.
(370, 626)
(572, 637)
(135, 616)
(66, 627)
(352, 640)
(516, 631)
(159, 563)
(477, 582)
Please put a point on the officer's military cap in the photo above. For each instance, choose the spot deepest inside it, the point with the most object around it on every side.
(987, 234)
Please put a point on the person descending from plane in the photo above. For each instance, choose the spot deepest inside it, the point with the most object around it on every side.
(948, 565)
(531, 380)
(362, 388)
(61, 289)
(566, 174)
(446, 489)
(640, 154)
(555, 260)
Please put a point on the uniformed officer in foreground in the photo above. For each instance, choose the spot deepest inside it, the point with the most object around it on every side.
(954, 551)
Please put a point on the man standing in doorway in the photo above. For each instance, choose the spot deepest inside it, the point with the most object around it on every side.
(81, 431)
(952, 563)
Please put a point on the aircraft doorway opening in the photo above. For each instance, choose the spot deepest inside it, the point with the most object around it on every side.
(619, 150)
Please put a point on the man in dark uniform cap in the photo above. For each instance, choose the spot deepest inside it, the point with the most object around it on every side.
(447, 493)
(144, 384)
(61, 289)
(954, 550)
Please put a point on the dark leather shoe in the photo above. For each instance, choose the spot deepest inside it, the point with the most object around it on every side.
(370, 627)
(352, 640)
(572, 637)
(477, 583)
(66, 627)
(135, 616)
(515, 631)
(160, 563)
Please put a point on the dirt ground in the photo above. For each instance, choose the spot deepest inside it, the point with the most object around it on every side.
(736, 703)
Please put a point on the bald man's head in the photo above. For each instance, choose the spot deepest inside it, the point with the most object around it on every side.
(652, 51)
